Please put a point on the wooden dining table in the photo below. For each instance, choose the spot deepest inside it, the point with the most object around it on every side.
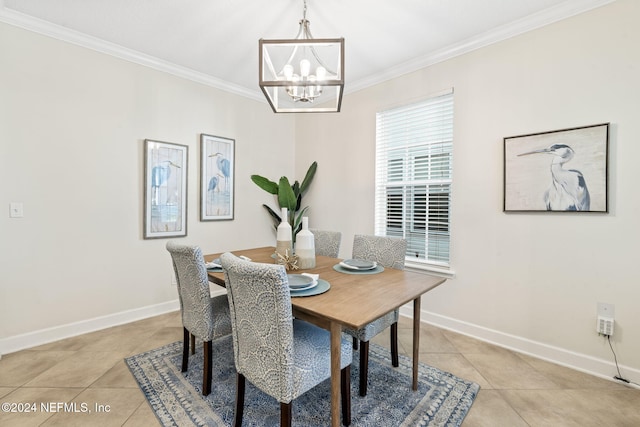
(352, 301)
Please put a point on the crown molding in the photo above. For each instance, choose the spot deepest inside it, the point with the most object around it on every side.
(548, 16)
(74, 37)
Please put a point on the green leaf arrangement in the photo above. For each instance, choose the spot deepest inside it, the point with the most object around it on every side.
(288, 196)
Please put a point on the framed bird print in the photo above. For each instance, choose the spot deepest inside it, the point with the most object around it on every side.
(217, 170)
(165, 189)
(557, 171)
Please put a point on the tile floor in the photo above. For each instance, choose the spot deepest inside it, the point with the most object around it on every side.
(516, 390)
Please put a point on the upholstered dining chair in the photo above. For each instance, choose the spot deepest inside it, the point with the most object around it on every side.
(203, 317)
(282, 356)
(327, 243)
(387, 252)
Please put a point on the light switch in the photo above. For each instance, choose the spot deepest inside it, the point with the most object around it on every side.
(16, 210)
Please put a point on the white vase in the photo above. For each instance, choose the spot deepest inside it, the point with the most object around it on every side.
(283, 236)
(305, 246)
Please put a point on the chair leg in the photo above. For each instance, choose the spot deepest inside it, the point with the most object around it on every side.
(240, 382)
(193, 344)
(285, 414)
(394, 345)
(355, 343)
(345, 391)
(207, 368)
(364, 366)
(185, 350)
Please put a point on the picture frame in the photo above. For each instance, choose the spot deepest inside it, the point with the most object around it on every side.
(563, 170)
(217, 183)
(165, 189)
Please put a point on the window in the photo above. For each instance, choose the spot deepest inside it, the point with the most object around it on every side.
(414, 147)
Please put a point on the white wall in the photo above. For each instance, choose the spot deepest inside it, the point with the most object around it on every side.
(528, 281)
(73, 121)
(72, 128)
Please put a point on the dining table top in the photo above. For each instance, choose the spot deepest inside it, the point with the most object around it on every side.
(353, 300)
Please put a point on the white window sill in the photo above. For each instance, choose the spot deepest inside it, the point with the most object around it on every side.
(419, 267)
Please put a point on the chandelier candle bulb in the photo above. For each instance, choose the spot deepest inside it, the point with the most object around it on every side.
(305, 66)
(305, 246)
(288, 71)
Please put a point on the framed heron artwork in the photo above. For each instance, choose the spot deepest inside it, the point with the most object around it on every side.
(557, 171)
(165, 189)
(217, 169)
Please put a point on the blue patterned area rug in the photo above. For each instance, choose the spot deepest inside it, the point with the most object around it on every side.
(442, 399)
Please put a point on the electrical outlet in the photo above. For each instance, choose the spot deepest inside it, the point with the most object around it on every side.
(605, 325)
(606, 316)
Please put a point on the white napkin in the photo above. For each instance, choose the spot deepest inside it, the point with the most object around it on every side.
(212, 265)
(246, 258)
(313, 277)
(351, 267)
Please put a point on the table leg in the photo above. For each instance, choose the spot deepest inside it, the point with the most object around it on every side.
(336, 338)
(416, 341)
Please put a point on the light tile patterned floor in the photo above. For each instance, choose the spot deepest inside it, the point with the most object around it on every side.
(516, 390)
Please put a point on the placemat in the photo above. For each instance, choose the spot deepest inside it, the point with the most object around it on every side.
(323, 286)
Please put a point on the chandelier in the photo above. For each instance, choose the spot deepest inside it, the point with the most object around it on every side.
(302, 74)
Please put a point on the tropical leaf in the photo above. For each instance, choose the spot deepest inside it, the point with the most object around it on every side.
(308, 177)
(273, 214)
(286, 197)
(298, 202)
(297, 222)
(264, 183)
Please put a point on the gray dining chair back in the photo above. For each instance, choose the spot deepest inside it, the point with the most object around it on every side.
(203, 317)
(282, 356)
(327, 243)
(388, 252)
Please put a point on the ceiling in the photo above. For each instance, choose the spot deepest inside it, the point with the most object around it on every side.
(216, 41)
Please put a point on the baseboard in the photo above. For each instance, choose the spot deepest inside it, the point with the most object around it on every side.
(598, 367)
(581, 362)
(45, 336)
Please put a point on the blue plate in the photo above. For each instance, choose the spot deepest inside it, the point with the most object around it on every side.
(299, 281)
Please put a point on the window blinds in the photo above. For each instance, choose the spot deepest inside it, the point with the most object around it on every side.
(414, 147)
